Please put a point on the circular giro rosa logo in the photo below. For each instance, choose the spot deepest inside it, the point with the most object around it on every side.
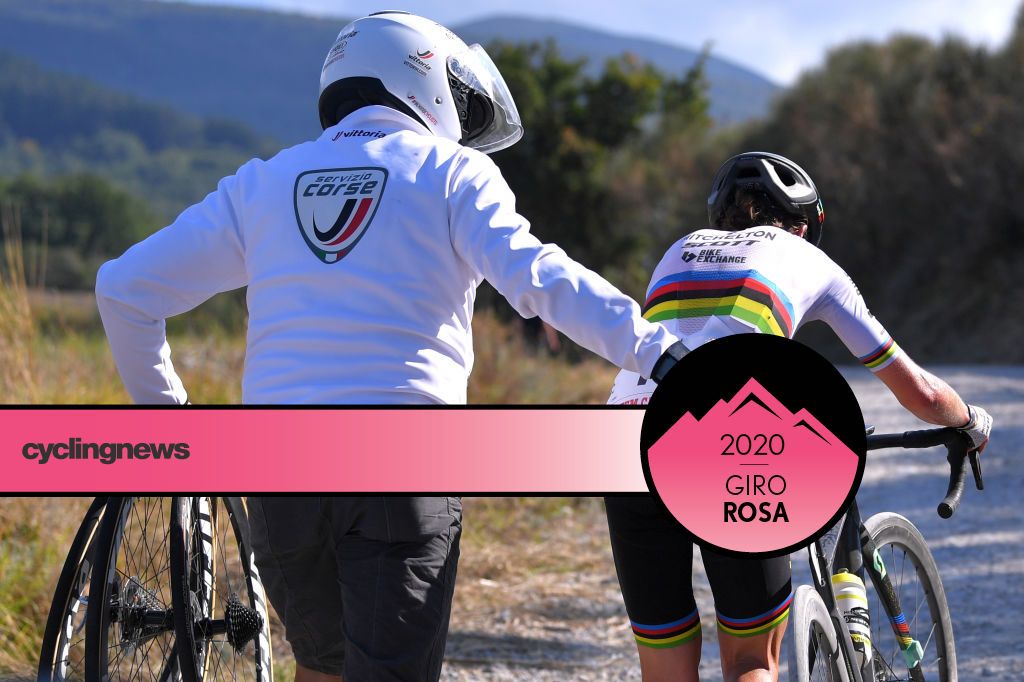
(334, 208)
(755, 444)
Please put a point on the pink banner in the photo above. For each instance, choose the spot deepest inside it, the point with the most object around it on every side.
(529, 451)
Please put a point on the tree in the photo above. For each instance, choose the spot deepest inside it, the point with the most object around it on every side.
(80, 220)
(585, 136)
(916, 149)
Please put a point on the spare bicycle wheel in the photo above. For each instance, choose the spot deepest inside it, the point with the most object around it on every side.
(62, 654)
(129, 629)
(220, 609)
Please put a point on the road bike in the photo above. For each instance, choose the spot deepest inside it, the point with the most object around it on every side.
(159, 588)
(911, 635)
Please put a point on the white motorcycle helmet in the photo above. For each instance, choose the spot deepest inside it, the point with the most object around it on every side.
(425, 71)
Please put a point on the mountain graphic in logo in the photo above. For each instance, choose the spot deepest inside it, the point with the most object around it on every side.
(738, 445)
(753, 397)
(688, 256)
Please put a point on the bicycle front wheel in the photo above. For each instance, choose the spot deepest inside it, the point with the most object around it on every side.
(915, 578)
(220, 609)
(813, 650)
(62, 655)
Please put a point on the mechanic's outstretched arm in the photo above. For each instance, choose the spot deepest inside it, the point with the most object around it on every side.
(541, 280)
(933, 400)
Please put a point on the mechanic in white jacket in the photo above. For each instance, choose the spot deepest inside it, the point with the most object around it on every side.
(362, 252)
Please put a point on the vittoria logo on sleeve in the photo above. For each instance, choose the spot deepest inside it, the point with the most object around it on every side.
(335, 206)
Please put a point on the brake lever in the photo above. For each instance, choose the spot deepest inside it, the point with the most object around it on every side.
(975, 459)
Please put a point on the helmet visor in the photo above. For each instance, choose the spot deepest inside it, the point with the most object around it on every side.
(474, 69)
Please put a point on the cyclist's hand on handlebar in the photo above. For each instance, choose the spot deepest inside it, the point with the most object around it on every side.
(978, 428)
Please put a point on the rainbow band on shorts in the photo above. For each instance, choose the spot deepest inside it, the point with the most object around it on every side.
(748, 627)
(667, 635)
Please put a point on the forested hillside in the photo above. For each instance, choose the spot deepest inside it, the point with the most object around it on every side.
(262, 67)
(87, 171)
(52, 123)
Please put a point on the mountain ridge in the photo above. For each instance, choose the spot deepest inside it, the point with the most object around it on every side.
(736, 92)
(54, 123)
(252, 65)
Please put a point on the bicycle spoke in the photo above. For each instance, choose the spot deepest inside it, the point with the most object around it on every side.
(149, 666)
(931, 633)
(218, 663)
(888, 666)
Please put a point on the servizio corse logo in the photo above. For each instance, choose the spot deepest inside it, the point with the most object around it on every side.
(335, 207)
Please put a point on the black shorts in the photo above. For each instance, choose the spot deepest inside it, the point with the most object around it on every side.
(654, 559)
(363, 584)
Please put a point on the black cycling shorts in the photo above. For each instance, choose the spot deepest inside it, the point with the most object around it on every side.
(654, 559)
(363, 584)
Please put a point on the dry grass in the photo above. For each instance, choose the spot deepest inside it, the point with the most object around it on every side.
(52, 351)
(17, 380)
(513, 550)
(508, 372)
(519, 550)
(35, 534)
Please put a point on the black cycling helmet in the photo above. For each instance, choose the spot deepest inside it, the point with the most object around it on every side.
(786, 183)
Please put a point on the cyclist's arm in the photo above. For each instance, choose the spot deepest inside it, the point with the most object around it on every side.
(540, 279)
(169, 273)
(922, 393)
(928, 397)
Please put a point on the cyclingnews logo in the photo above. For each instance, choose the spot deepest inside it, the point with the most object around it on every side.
(108, 453)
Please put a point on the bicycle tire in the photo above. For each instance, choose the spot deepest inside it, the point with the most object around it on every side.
(813, 649)
(213, 566)
(62, 653)
(892, 532)
(130, 591)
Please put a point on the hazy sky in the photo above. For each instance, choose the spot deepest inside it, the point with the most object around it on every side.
(777, 38)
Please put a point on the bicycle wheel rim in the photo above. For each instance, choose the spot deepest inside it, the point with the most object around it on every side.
(813, 652)
(62, 654)
(914, 576)
(228, 571)
(129, 637)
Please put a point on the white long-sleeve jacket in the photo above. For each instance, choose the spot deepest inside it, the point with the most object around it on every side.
(362, 252)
